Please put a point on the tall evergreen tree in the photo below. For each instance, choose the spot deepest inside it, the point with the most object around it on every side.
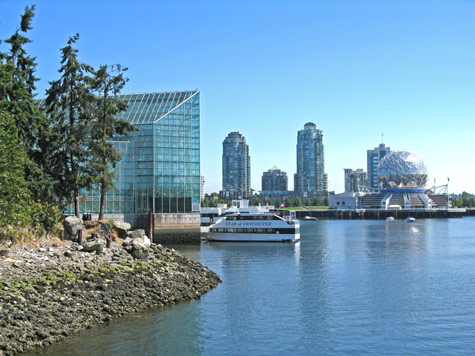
(107, 84)
(13, 190)
(70, 104)
(17, 86)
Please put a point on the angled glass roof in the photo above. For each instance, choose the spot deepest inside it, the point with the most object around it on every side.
(148, 108)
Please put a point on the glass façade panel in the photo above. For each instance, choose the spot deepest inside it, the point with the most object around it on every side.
(160, 162)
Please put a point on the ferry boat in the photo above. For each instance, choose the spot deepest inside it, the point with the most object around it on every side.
(209, 216)
(256, 227)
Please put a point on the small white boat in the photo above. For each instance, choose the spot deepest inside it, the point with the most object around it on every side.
(310, 218)
(257, 227)
(410, 219)
(390, 218)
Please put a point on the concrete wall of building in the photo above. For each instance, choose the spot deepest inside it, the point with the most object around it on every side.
(167, 228)
(137, 221)
(176, 228)
(343, 201)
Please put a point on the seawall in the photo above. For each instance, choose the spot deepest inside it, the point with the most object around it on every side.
(381, 214)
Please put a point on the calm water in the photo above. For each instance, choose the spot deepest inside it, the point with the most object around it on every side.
(349, 287)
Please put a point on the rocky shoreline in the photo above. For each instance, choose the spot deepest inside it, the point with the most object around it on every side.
(50, 293)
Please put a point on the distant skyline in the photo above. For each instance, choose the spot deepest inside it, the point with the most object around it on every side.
(265, 68)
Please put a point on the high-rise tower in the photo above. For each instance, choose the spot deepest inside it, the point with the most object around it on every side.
(236, 167)
(310, 178)
(373, 158)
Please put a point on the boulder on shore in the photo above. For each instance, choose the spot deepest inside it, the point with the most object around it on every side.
(72, 225)
(137, 244)
(94, 243)
(122, 228)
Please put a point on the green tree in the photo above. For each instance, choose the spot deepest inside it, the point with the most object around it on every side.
(317, 201)
(325, 201)
(14, 193)
(17, 86)
(107, 84)
(205, 202)
(70, 104)
(297, 202)
(465, 200)
(287, 202)
(455, 202)
(307, 202)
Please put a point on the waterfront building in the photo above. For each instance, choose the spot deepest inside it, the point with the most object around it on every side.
(310, 179)
(354, 179)
(402, 179)
(374, 157)
(274, 180)
(236, 167)
(347, 200)
(159, 172)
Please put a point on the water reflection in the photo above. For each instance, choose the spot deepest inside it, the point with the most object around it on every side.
(311, 309)
(174, 330)
(395, 238)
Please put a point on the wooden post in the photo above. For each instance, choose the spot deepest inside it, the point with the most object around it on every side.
(150, 227)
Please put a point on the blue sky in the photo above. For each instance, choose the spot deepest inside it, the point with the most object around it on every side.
(356, 69)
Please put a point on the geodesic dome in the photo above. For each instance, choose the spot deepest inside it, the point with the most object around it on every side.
(402, 169)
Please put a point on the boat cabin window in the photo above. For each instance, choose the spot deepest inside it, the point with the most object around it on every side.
(253, 217)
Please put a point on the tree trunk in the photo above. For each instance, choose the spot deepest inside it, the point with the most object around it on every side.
(77, 212)
(103, 200)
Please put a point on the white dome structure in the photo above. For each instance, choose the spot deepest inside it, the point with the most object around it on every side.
(402, 170)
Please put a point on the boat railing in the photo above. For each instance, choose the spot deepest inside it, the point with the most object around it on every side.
(289, 216)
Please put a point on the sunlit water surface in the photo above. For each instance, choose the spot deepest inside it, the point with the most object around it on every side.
(349, 287)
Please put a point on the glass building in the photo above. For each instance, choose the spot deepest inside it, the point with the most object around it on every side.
(310, 178)
(274, 180)
(373, 157)
(160, 167)
(236, 167)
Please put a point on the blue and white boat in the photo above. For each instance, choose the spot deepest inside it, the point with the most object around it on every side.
(256, 227)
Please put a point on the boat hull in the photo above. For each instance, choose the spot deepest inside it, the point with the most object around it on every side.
(242, 237)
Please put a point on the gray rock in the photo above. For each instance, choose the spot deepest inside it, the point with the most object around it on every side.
(93, 244)
(122, 228)
(140, 239)
(137, 244)
(72, 225)
(127, 242)
(139, 254)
